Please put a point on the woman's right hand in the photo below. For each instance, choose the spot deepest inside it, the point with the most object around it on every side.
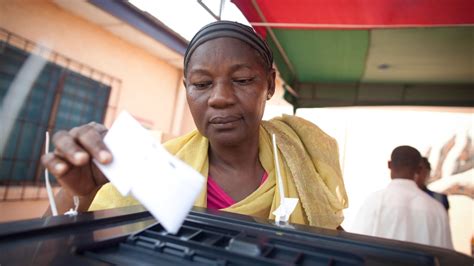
(71, 160)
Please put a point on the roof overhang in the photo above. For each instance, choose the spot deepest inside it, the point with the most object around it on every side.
(132, 25)
(334, 53)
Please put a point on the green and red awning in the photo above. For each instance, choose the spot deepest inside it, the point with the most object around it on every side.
(393, 52)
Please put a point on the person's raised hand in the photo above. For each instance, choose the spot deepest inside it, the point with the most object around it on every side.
(71, 161)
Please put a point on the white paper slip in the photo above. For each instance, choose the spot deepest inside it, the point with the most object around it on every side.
(164, 185)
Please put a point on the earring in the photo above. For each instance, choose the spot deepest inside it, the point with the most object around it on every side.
(269, 96)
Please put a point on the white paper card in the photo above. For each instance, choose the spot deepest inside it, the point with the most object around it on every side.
(164, 185)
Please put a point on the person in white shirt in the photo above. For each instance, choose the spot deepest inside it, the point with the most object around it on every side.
(402, 211)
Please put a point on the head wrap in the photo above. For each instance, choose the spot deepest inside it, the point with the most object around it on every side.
(230, 29)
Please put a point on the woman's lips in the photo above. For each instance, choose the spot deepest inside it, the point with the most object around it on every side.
(225, 122)
(224, 119)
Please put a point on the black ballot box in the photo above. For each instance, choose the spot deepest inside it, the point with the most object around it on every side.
(131, 236)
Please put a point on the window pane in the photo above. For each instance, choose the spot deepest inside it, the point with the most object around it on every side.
(23, 148)
(79, 103)
(78, 100)
(5, 169)
(20, 170)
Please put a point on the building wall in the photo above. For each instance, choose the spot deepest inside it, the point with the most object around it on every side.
(22, 210)
(148, 87)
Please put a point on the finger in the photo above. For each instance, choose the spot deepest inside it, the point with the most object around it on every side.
(55, 165)
(91, 138)
(101, 129)
(69, 149)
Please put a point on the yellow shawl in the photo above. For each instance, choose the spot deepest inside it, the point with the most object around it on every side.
(310, 171)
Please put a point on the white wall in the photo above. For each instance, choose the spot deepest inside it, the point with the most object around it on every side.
(367, 136)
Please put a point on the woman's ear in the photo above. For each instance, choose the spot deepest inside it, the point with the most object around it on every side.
(271, 83)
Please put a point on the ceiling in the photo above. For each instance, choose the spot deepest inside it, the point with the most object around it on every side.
(389, 53)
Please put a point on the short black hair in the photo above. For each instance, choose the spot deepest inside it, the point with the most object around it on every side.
(406, 156)
(425, 162)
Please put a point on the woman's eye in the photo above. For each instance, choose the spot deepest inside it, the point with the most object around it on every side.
(202, 85)
(243, 81)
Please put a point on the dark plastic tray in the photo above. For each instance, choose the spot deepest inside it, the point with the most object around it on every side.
(130, 236)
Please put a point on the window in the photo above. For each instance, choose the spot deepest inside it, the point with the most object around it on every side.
(60, 99)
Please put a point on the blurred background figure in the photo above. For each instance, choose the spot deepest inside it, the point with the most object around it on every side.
(423, 175)
(402, 211)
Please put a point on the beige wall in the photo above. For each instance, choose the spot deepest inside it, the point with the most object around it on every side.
(22, 210)
(33, 205)
(149, 84)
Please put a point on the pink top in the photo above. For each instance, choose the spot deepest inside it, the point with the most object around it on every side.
(217, 198)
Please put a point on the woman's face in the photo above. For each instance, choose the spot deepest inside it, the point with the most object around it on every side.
(226, 89)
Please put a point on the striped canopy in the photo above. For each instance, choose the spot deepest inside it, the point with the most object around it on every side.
(370, 52)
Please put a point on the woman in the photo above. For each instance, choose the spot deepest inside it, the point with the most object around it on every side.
(228, 75)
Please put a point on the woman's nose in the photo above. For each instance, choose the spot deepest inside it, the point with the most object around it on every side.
(222, 95)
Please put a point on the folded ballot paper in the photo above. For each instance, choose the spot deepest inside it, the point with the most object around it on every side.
(164, 185)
